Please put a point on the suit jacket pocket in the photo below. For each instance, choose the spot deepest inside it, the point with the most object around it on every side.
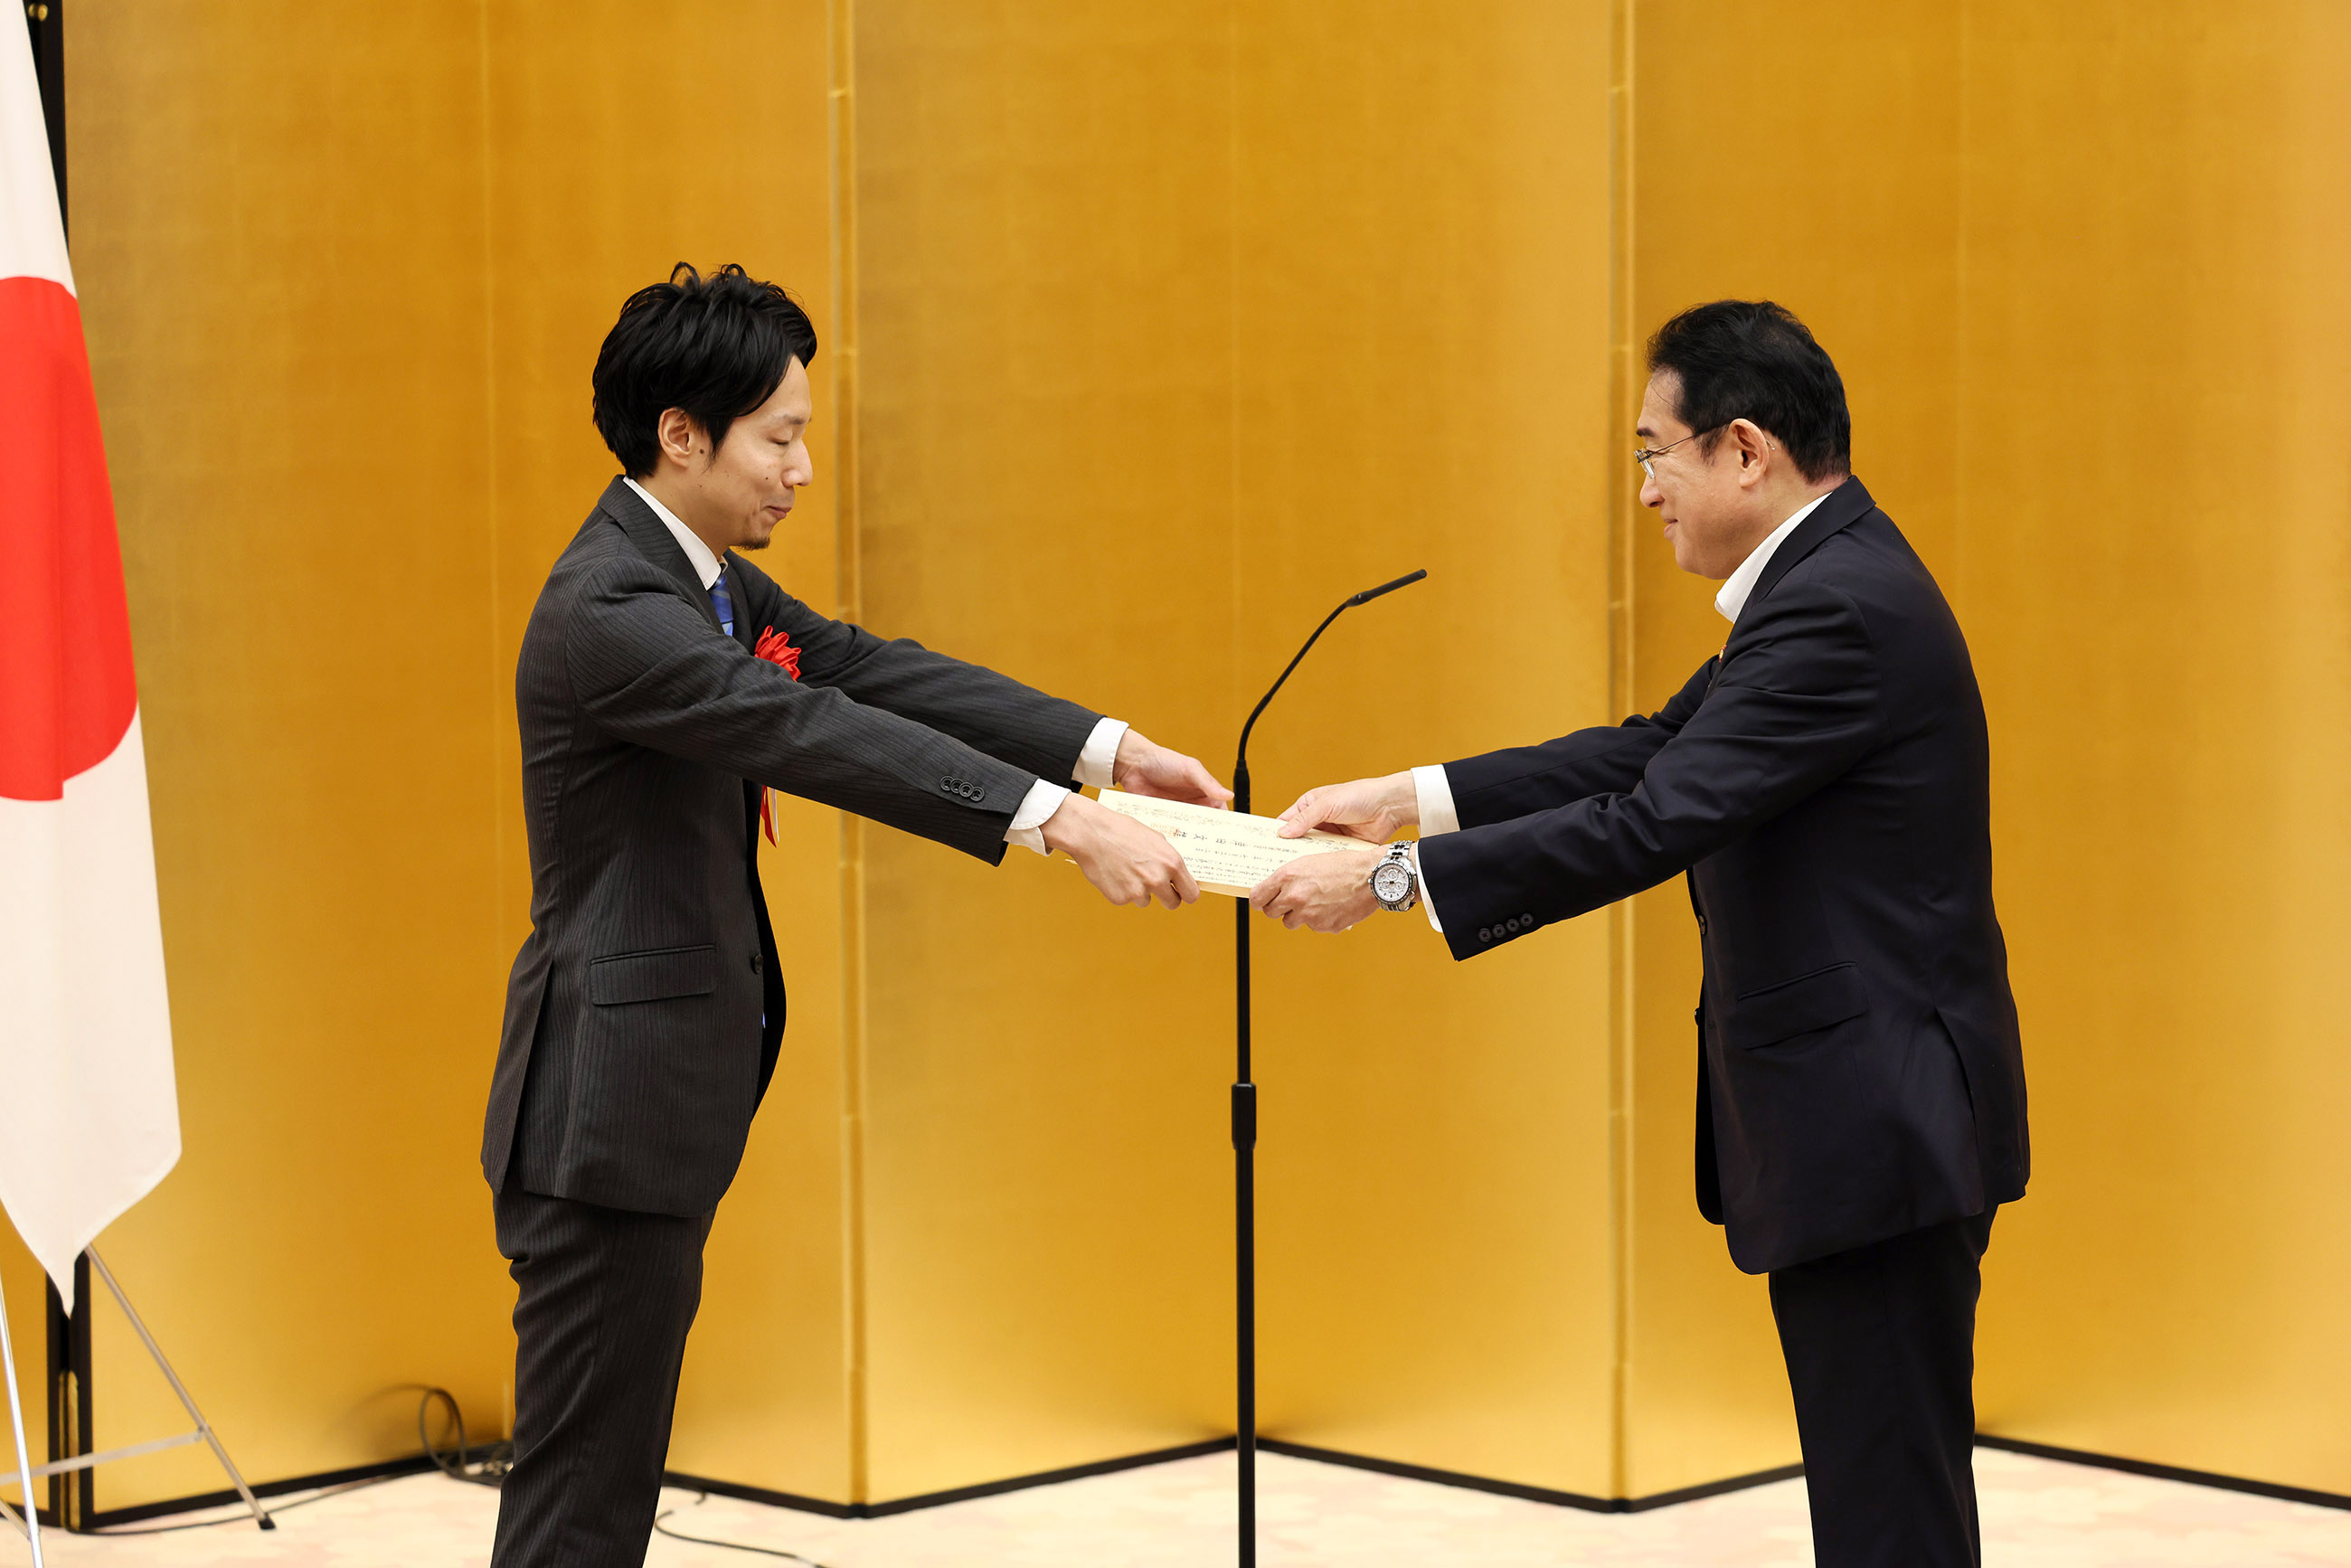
(649, 977)
(1800, 1006)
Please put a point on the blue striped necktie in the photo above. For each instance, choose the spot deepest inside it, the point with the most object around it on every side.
(723, 603)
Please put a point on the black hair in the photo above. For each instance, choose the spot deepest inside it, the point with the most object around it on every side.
(1752, 359)
(716, 347)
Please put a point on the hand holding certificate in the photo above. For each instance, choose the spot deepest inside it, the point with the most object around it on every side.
(1225, 851)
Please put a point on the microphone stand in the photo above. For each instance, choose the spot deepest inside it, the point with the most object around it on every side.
(1245, 1120)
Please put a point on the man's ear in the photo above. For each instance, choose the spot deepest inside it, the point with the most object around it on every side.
(680, 434)
(1747, 437)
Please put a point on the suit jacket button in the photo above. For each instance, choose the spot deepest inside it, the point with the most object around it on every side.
(1527, 922)
(754, 963)
(1485, 934)
(977, 794)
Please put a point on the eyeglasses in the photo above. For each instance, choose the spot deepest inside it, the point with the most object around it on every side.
(1644, 456)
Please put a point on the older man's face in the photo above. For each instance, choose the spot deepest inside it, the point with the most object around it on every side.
(1697, 494)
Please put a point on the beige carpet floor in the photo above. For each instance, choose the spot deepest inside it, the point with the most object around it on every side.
(2037, 1514)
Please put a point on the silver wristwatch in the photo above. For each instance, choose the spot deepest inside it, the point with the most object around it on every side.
(1394, 881)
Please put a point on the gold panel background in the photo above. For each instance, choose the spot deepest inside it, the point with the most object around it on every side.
(2073, 263)
(1166, 344)
(1150, 333)
(343, 277)
(277, 230)
(1422, 358)
(1042, 487)
(2154, 550)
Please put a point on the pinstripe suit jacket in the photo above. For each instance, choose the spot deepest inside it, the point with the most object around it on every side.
(644, 1010)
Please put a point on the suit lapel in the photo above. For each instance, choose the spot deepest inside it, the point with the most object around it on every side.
(654, 542)
(746, 630)
(1846, 504)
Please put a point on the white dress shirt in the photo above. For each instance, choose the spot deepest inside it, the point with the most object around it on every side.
(1028, 829)
(1434, 791)
(1732, 597)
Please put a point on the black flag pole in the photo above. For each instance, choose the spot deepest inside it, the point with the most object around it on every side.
(1245, 1120)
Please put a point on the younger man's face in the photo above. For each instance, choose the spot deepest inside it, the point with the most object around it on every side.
(746, 488)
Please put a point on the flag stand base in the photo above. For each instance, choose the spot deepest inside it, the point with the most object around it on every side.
(28, 1472)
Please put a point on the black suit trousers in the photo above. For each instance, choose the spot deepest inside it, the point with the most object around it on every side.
(606, 1296)
(1880, 1343)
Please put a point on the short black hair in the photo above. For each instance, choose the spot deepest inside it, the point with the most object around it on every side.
(716, 347)
(1752, 359)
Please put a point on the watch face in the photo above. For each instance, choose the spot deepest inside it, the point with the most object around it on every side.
(1392, 881)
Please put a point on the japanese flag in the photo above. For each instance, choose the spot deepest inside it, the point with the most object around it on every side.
(89, 1118)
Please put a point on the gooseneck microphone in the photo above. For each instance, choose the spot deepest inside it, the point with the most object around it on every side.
(1245, 1120)
(1240, 758)
(1407, 580)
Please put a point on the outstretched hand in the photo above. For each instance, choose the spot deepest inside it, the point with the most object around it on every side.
(1327, 892)
(1143, 767)
(1126, 861)
(1372, 810)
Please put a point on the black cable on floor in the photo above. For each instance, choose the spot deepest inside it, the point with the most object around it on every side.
(496, 1459)
(699, 1499)
(460, 1465)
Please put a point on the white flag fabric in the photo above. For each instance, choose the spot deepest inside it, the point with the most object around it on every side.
(89, 1116)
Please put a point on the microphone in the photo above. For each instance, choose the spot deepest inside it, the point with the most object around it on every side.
(1241, 755)
(1243, 1124)
(1407, 580)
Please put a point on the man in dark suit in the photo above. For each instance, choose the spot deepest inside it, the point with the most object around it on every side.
(1823, 783)
(665, 683)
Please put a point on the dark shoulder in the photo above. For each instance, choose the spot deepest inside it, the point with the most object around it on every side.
(601, 564)
(1870, 566)
(600, 550)
(1869, 561)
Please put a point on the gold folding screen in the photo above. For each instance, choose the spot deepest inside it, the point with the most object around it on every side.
(277, 235)
(2077, 266)
(1150, 332)
(1168, 344)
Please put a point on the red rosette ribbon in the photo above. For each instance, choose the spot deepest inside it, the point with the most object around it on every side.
(777, 649)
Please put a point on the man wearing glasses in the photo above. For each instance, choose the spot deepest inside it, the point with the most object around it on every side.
(1823, 783)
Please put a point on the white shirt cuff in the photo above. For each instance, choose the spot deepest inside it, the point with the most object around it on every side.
(1101, 754)
(1422, 883)
(1028, 829)
(1435, 795)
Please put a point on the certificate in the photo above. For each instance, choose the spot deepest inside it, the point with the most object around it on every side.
(1225, 851)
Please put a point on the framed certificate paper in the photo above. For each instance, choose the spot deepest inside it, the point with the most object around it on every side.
(1225, 851)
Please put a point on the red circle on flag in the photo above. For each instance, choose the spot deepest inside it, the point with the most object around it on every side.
(66, 689)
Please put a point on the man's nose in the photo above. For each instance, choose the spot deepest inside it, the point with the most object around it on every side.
(1650, 495)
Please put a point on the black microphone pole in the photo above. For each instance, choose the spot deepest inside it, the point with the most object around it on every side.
(1245, 1120)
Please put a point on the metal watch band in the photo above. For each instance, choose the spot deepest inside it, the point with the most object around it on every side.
(1398, 853)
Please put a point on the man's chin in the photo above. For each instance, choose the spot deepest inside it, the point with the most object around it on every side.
(763, 531)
